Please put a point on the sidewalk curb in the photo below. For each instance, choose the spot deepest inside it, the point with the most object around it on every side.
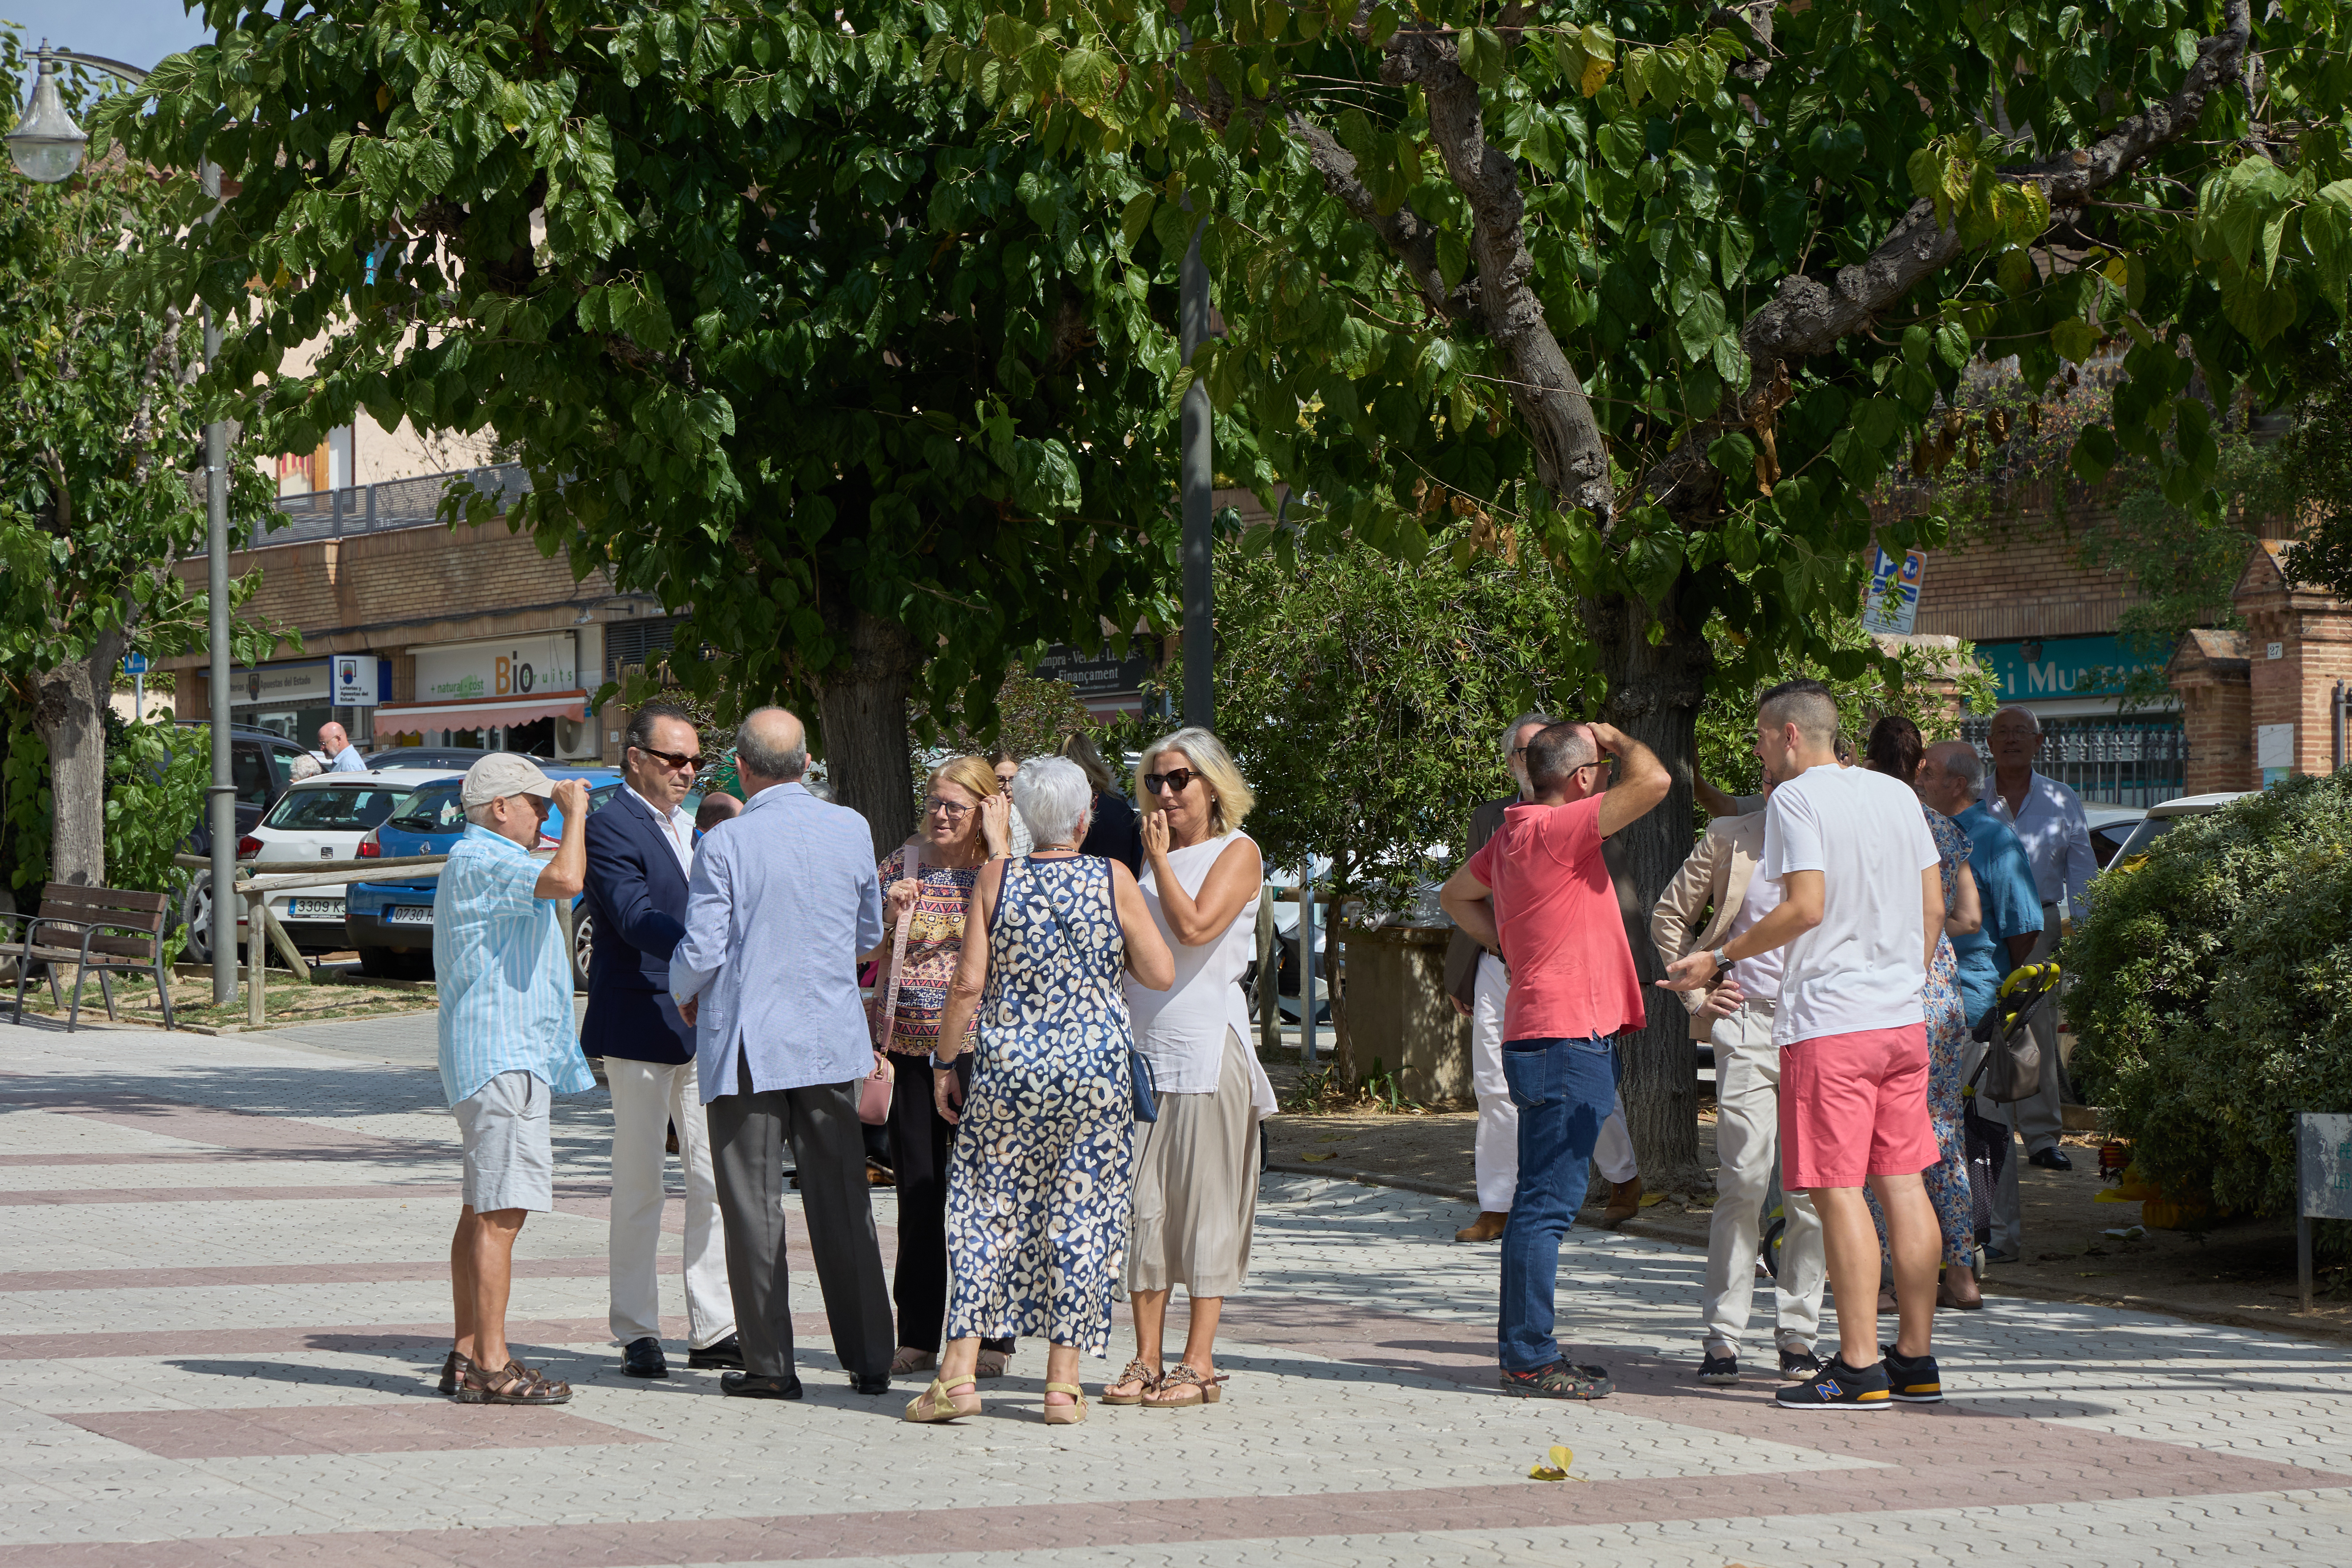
(1992, 1285)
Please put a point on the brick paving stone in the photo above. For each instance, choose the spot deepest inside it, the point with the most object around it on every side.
(244, 1379)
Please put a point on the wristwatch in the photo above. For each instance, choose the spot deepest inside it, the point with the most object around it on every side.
(947, 1066)
(1722, 964)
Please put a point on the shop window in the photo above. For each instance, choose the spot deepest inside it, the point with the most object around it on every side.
(536, 738)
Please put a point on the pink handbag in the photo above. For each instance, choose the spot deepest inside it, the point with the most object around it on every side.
(881, 1010)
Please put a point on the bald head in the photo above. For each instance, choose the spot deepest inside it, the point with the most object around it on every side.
(333, 738)
(770, 747)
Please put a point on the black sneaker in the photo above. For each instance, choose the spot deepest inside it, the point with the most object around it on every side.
(1719, 1368)
(1560, 1380)
(1838, 1386)
(1796, 1360)
(1913, 1379)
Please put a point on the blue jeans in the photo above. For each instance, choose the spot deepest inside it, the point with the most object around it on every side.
(1564, 1089)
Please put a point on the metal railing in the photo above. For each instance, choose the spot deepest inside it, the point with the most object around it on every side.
(411, 503)
(2106, 761)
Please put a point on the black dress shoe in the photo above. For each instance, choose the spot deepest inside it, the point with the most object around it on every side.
(880, 1384)
(728, 1352)
(2053, 1158)
(643, 1358)
(750, 1385)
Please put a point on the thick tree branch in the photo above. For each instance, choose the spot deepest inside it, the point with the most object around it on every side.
(1808, 316)
(1572, 458)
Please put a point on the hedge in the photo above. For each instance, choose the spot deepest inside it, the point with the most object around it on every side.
(2213, 996)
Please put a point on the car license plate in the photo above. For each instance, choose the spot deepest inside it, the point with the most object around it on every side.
(318, 909)
(412, 914)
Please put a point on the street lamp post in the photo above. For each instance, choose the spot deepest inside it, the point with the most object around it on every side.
(47, 146)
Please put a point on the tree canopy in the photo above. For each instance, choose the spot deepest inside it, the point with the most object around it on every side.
(782, 330)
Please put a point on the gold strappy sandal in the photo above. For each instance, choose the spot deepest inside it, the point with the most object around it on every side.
(935, 1404)
(1183, 1389)
(1068, 1415)
(1146, 1380)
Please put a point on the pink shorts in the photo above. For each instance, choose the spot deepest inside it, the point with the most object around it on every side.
(1855, 1105)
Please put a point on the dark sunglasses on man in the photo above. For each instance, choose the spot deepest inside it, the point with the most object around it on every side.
(672, 758)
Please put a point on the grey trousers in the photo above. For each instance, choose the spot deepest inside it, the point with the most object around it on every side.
(748, 1134)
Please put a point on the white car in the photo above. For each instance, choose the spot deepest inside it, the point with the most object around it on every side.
(2110, 826)
(323, 818)
(2165, 813)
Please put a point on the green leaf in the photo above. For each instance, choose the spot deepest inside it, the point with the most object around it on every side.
(1621, 142)
(1734, 455)
(1452, 257)
(2074, 340)
(2094, 452)
(1697, 326)
(2261, 310)
(1135, 216)
(2327, 234)
(1653, 564)
(1494, 59)
(1735, 244)
(1952, 343)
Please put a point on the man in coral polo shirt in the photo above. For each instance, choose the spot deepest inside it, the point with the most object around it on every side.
(1539, 892)
(1861, 902)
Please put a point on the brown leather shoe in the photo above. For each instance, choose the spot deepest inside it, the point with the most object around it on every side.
(1624, 1203)
(1486, 1227)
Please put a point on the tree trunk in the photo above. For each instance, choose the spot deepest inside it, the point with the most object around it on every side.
(862, 709)
(66, 713)
(1655, 690)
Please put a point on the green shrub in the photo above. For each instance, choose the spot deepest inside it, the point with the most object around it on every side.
(2213, 996)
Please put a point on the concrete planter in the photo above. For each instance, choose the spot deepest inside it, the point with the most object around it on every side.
(1398, 1014)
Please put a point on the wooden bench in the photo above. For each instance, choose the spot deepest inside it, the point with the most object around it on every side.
(109, 930)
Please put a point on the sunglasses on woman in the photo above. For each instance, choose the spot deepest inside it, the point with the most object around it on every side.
(1173, 782)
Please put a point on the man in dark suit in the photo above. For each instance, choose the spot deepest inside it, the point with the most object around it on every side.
(1478, 982)
(640, 853)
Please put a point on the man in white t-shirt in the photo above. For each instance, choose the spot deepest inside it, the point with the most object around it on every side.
(1862, 898)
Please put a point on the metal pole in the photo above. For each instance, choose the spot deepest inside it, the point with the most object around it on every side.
(1200, 607)
(1307, 962)
(221, 799)
(1269, 1009)
(2303, 1163)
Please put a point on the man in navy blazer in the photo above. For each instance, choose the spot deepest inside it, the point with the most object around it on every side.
(640, 853)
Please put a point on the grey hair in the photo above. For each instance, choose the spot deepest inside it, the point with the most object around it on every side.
(1053, 794)
(1964, 761)
(641, 724)
(2031, 716)
(1533, 715)
(755, 754)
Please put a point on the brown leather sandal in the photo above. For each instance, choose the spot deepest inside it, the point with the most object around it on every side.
(1185, 1389)
(513, 1384)
(1147, 1382)
(453, 1371)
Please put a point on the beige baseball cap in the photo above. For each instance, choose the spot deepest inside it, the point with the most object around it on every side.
(501, 774)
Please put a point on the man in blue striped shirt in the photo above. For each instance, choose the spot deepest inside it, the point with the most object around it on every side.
(505, 980)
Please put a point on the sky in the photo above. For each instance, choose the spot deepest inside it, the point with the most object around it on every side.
(136, 32)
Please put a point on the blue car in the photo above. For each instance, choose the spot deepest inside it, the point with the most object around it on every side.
(390, 924)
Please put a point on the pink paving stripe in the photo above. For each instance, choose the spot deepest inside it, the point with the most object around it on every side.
(539, 1334)
(415, 1427)
(392, 1271)
(346, 1192)
(207, 1125)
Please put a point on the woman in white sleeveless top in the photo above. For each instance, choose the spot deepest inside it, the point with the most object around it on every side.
(1196, 1168)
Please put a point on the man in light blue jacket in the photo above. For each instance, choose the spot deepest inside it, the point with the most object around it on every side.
(777, 909)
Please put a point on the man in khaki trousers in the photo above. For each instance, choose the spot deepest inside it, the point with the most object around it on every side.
(1718, 885)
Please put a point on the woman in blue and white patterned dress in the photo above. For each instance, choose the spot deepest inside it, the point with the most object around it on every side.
(1038, 1185)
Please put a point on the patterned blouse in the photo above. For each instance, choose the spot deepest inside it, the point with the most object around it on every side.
(934, 946)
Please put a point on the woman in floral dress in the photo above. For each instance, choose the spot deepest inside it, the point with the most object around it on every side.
(1895, 749)
(1038, 1185)
(926, 885)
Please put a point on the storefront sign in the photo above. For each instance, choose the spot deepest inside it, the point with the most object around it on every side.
(508, 667)
(2065, 667)
(1102, 673)
(308, 684)
(2274, 753)
(1892, 604)
(361, 681)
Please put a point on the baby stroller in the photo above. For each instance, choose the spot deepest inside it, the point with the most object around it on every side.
(2011, 1070)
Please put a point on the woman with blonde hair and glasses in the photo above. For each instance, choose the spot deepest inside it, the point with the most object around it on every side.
(926, 885)
(1196, 1168)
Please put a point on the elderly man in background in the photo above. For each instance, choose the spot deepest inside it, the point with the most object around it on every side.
(780, 906)
(2047, 818)
(1478, 982)
(716, 806)
(505, 979)
(1719, 884)
(335, 746)
(640, 853)
(1951, 780)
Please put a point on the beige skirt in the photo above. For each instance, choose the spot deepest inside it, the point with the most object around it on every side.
(1196, 1186)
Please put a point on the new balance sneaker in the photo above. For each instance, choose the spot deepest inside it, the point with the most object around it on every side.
(1913, 1379)
(1719, 1368)
(1796, 1360)
(1560, 1380)
(1838, 1386)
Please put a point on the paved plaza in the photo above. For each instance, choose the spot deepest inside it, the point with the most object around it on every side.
(226, 1298)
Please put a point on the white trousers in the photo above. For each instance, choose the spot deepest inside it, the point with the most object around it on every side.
(647, 1099)
(1495, 1156)
(1747, 1146)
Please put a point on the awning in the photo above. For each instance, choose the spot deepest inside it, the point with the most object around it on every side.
(398, 718)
